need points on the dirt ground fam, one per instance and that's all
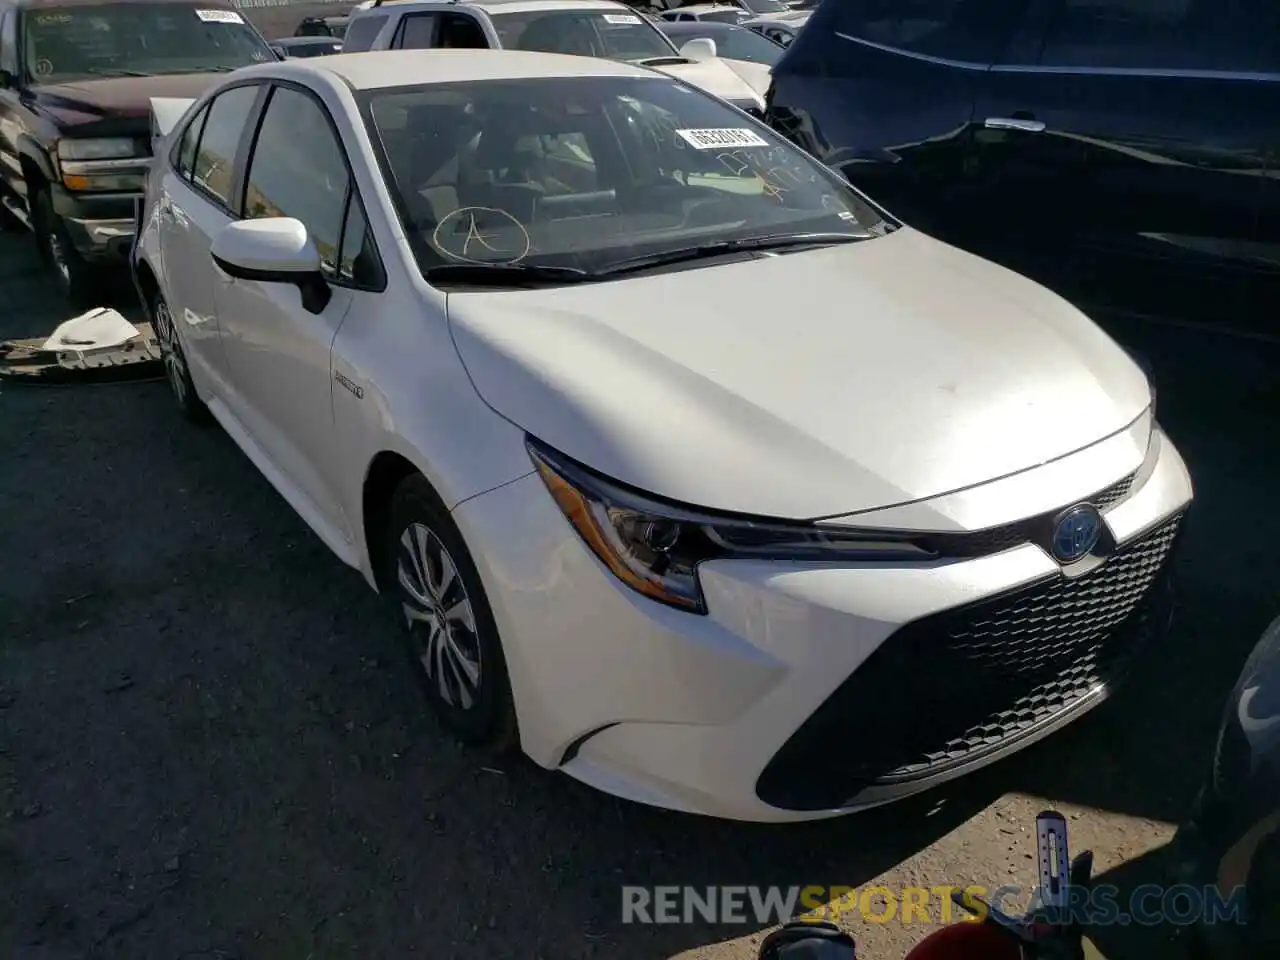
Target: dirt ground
(210, 748)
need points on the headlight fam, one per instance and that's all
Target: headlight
(655, 547)
(115, 148)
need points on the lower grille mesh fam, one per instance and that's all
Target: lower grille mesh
(949, 688)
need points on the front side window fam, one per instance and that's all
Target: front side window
(80, 42)
(298, 170)
(213, 169)
(619, 35)
(8, 41)
(962, 30)
(363, 31)
(584, 174)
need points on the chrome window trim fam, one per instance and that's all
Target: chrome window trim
(1152, 72)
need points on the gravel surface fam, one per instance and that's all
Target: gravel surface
(210, 748)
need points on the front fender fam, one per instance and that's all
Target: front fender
(32, 150)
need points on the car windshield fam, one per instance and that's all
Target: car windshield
(77, 41)
(584, 173)
(612, 34)
(765, 6)
(736, 43)
(725, 15)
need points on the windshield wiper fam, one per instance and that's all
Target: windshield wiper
(705, 250)
(505, 274)
(118, 73)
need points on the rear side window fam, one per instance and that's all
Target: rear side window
(214, 167)
(1224, 35)
(969, 31)
(362, 32)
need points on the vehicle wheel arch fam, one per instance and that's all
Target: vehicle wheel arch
(148, 285)
(386, 471)
(36, 168)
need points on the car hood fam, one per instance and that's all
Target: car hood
(757, 75)
(805, 385)
(713, 76)
(86, 101)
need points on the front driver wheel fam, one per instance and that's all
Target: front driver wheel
(81, 282)
(453, 639)
(175, 363)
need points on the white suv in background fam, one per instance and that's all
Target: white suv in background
(592, 28)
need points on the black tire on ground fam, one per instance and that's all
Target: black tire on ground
(174, 358)
(81, 282)
(452, 639)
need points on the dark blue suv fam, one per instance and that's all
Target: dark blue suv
(1128, 150)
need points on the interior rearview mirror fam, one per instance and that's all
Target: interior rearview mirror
(703, 48)
(273, 250)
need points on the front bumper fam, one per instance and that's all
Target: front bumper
(809, 689)
(101, 226)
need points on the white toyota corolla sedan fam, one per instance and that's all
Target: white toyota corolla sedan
(694, 474)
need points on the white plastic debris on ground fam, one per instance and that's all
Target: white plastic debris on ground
(94, 330)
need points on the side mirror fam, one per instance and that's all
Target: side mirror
(703, 48)
(273, 250)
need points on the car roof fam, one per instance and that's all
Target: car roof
(40, 4)
(705, 8)
(701, 26)
(374, 70)
(509, 6)
(305, 41)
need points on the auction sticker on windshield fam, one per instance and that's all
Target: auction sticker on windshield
(721, 138)
(621, 18)
(219, 16)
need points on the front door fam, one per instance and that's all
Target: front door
(279, 352)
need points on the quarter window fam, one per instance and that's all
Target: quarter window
(970, 31)
(190, 138)
(213, 167)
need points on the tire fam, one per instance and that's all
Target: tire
(176, 372)
(80, 281)
(452, 639)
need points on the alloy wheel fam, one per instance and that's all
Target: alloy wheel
(440, 616)
(175, 364)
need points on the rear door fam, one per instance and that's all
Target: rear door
(1131, 136)
(199, 197)
(883, 90)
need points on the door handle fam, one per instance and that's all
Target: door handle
(1025, 124)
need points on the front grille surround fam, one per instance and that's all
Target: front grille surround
(949, 689)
